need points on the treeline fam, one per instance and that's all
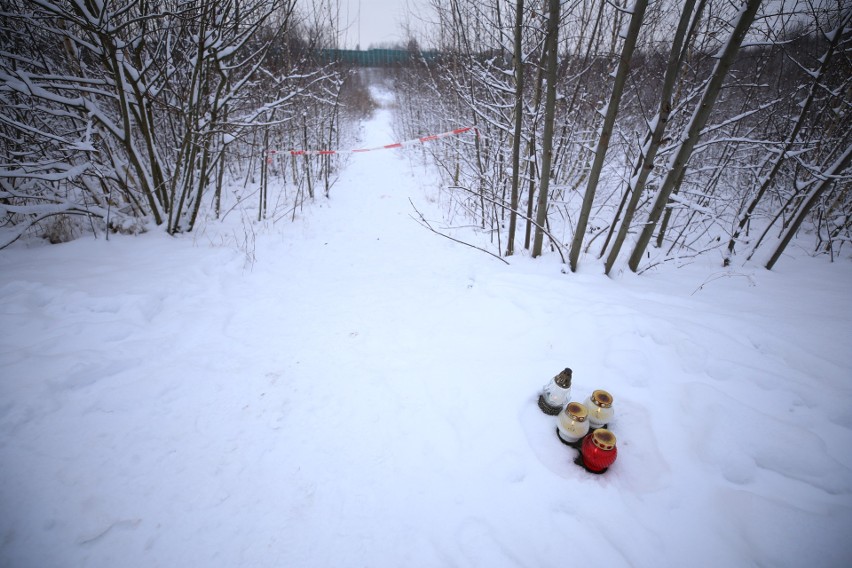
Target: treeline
(636, 132)
(118, 114)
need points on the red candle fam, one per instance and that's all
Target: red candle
(599, 450)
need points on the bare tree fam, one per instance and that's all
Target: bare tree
(637, 14)
(645, 161)
(552, 42)
(817, 76)
(519, 122)
(677, 165)
(825, 180)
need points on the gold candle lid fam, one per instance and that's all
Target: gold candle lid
(604, 439)
(602, 398)
(576, 411)
(563, 379)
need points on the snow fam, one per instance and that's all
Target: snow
(352, 389)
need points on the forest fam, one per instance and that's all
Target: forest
(626, 133)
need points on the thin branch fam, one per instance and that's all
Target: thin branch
(554, 240)
(423, 222)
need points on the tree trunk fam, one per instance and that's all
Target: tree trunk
(638, 14)
(827, 178)
(533, 169)
(552, 39)
(519, 119)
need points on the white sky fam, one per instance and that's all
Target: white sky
(381, 21)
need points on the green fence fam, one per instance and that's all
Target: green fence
(375, 57)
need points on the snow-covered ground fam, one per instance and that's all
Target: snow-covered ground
(363, 394)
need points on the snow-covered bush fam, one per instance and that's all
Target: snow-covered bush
(137, 110)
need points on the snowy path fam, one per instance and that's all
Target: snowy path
(364, 396)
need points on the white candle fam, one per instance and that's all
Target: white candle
(599, 405)
(571, 424)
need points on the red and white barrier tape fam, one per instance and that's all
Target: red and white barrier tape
(421, 140)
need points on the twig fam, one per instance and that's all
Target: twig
(426, 224)
(719, 275)
(501, 204)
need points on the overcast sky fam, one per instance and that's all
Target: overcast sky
(380, 21)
